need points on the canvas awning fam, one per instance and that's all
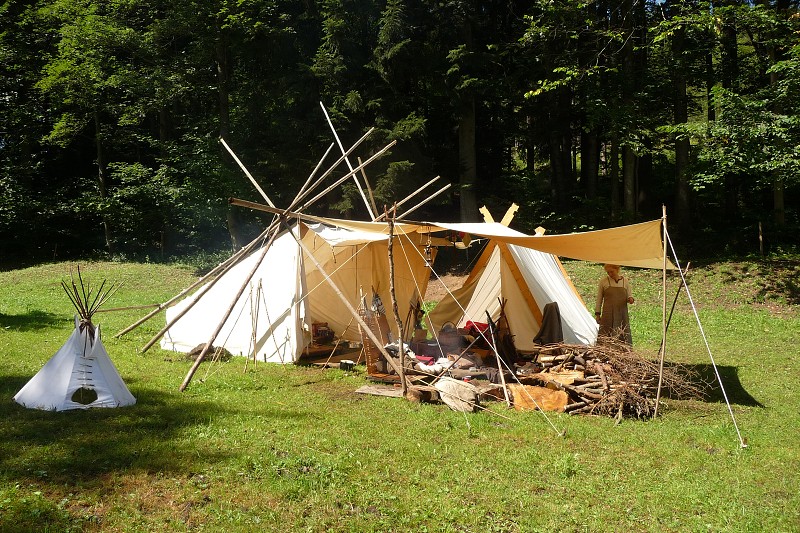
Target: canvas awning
(635, 245)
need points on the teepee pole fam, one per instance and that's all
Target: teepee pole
(247, 172)
(366, 184)
(425, 201)
(333, 167)
(311, 176)
(350, 166)
(407, 198)
(351, 173)
(228, 312)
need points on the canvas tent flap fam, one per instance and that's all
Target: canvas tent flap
(526, 280)
(636, 245)
(271, 302)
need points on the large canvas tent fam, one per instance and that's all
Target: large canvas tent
(273, 319)
(80, 369)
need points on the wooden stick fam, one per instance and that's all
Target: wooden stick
(366, 184)
(228, 312)
(246, 172)
(400, 336)
(407, 198)
(663, 350)
(334, 165)
(499, 362)
(348, 305)
(425, 201)
(353, 173)
(128, 308)
(349, 174)
(310, 176)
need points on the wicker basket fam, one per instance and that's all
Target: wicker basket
(371, 353)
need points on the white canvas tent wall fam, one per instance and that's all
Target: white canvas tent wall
(81, 363)
(526, 280)
(288, 293)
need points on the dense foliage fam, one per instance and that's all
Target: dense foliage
(586, 114)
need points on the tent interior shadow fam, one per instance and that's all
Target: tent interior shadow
(706, 379)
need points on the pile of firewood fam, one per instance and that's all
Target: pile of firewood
(606, 379)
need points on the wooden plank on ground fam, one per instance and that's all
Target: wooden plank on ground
(381, 390)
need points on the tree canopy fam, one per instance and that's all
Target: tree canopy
(587, 114)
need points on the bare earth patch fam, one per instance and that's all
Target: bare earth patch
(438, 287)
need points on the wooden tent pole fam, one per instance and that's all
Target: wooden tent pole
(334, 165)
(351, 173)
(228, 312)
(191, 304)
(218, 270)
(426, 200)
(400, 334)
(310, 176)
(499, 361)
(663, 350)
(246, 172)
(409, 197)
(347, 304)
(367, 185)
(350, 166)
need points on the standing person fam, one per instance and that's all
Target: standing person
(611, 310)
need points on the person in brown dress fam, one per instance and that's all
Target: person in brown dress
(611, 310)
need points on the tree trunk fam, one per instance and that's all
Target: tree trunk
(613, 171)
(681, 116)
(102, 178)
(629, 181)
(590, 161)
(468, 162)
(729, 73)
(223, 94)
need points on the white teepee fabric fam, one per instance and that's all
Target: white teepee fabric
(81, 363)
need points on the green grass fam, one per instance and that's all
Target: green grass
(289, 448)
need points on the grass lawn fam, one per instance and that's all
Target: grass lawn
(292, 448)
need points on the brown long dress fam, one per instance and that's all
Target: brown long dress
(614, 321)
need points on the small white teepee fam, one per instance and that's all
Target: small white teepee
(80, 375)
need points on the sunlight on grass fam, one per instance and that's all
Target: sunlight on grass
(292, 448)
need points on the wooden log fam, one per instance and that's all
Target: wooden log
(573, 406)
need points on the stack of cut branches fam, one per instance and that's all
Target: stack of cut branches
(609, 378)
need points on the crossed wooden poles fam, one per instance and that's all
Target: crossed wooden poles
(277, 226)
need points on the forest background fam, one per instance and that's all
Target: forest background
(587, 114)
